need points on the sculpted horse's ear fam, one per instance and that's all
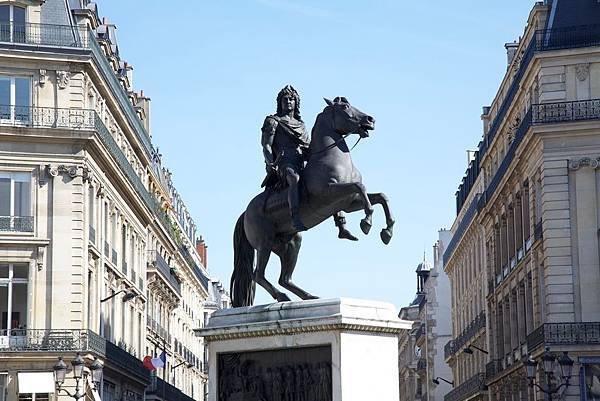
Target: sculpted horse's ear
(329, 102)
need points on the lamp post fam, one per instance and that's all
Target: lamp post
(79, 373)
(549, 362)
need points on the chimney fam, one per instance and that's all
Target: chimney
(144, 103)
(511, 51)
(202, 248)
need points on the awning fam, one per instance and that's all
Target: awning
(36, 382)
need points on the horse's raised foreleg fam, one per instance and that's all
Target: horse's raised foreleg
(339, 190)
(262, 258)
(382, 199)
(288, 253)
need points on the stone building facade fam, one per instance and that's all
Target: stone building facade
(523, 262)
(98, 252)
(424, 375)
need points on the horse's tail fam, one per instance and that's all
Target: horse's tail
(242, 284)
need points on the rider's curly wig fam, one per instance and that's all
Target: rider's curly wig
(289, 91)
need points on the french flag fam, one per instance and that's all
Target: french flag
(155, 363)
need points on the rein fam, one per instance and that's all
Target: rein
(333, 145)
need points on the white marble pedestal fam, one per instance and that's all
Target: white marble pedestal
(363, 336)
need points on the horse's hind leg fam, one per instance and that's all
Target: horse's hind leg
(262, 258)
(382, 199)
(288, 253)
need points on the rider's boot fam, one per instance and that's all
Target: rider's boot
(294, 202)
(340, 223)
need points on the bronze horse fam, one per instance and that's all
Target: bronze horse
(330, 184)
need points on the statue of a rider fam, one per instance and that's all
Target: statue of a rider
(285, 143)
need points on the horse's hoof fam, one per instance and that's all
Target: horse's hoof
(281, 297)
(345, 234)
(386, 236)
(365, 226)
(310, 296)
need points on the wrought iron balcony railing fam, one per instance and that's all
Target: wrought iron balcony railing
(166, 391)
(44, 34)
(467, 389)
(17, 224)
(567, 38)
(162, 267)
(60, 341)
(195, 268)
(566, 111)
(564, 333)
(493, 368)
(47, 117)
(453, 346)
(158, 329)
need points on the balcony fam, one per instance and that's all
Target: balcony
(454, 346)
(564, 334)
(468, 389)
(159, 264)
(158, 329)
(543, 40)
(163, 390)
(60, 341)
(43, 35)
(195, 268)
(16, 224)
(492, 369)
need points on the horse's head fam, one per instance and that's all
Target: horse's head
(348, 119)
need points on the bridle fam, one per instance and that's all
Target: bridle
(334, 144)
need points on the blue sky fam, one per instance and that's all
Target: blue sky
(423, 69)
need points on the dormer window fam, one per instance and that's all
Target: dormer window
(12, 23)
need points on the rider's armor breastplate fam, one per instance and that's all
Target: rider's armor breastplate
(286, 148)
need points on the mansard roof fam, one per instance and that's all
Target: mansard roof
(568, 13)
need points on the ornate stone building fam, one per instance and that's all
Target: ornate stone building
(424, 375)
(523, 261)
(98, 253)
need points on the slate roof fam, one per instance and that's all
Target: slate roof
(567, 13)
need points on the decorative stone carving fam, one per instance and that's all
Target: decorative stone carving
(101, 192)
(62, 79)
(54, 170)
(40, 257)
(582, 71)
(43, 76)
(584, 162)
(87, 174)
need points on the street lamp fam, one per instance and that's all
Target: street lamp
(78, 364)
(129, 295)
(436, 381)
(549, 362)
(468, 350)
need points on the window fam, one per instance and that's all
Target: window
(3, 386)
(15, 99)
(34, 397)
(15, 202)
(13, 298)
(12, 24)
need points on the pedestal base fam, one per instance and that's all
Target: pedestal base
(320, 350)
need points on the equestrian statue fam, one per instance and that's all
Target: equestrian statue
(308, 181)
